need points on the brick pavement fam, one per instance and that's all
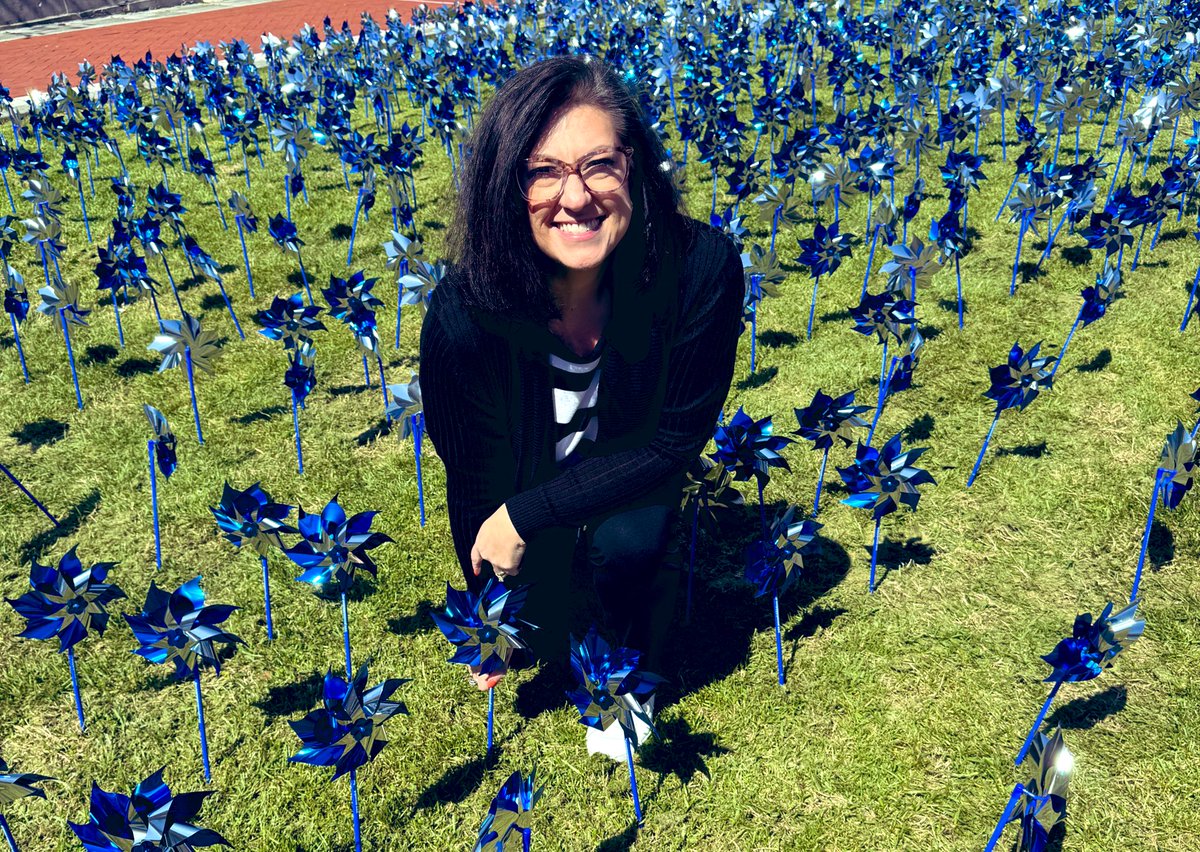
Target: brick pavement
(28, 62)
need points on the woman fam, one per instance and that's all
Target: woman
(575, 359)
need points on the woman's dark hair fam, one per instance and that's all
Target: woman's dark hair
(500, 269)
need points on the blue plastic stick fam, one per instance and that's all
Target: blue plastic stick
(870, 261)
(637, 803)
(229, 307)
(526, 838)
(346, 636)
(883, 395)
(267, 600)
(983, 449)
(418, 430)
(762, 509)
(687, 612)
(1017, 792)
(383, 387)
(354, 810)
(958, 283)
(366, 372)
(117, 317)
(354, 228)
(187, 357)
(203, 730)
(874, 558)
(304, 276)
(1037, 723)
(491, 718)
(1187, 314)
(27, 493)
(75, 688)
(812, 307)
(1066, 343)
(820, 482)
(883, 365)
(245, 257)
(154, 505)
(1012, 288)
(1137, 577)
(753, 336)
(25, 370)
(87, 228)
(62, 316)
(296, 432)
(12, 843)
(778, 643)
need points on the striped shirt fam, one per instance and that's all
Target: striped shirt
(575, 385)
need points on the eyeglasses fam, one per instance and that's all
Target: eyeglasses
(602, 171)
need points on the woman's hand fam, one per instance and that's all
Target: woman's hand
(499, 544)
(485, 682)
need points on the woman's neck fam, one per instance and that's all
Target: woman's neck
(577, 293)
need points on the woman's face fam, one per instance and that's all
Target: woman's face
(580, 229)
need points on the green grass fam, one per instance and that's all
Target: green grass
(903, 709)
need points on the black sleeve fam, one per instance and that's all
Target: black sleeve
(462, 387)
(699, 372)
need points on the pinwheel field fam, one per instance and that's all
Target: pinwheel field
(904, 705)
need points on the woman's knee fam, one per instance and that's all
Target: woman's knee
(631, 541)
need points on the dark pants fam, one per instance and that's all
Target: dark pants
(633, 564)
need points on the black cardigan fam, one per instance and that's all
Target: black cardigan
(489, 412)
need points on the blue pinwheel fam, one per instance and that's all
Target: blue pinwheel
(408, 409)
(949, 234)
(61, 301)
(16, 296)
(208, 266)
(1040, 803)
(283, 232)
(823, 254)
(882, 480)
(161, 451)
(749, 447)
(888, 315)
(15, 786)
(151, 820)
(510, 815)
(347, 732)
(244, 218)
(67, 602)
(186, 342)
(331, 550)
(612, 690)
(353, 301)
(179, 628)
(775, 560)
(1087, 652)
(300, 377)
(1015, 384)
(290, 321)
(822, 421)
(251, 518)
(1176, 474)
(1096, 301)
(483, 628)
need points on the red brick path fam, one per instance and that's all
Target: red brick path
(27, 63)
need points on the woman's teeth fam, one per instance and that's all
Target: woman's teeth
(579, 227)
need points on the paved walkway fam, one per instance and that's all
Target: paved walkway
(28, 57)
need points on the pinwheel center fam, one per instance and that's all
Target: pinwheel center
(488, 634)
(339, 555)
(76, 606)
(602, 699)
(362, 729)
(177, 638)
(889, 483)
(248, 529)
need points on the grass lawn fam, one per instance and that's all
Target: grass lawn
(903, 709)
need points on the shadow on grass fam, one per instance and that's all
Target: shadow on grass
(340, 232)
(1077, 255)
(41, 433)
(777, 339)
(1161, 547)
(758, 378)
(951, 305)
(623, 841)
(681, 751)
(379, 430)
(260, 415)
(136, 367)
(1029, 451)
(1101, 360)
(1084, 713)
(293, 698)
(364, 587)
(101, 353)
(456, 783)
(726, 615)
(212, 301)
(835, 316)
(919, 430)
(346, 390)
(894, 555)
(413, 622)
(68, 525)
